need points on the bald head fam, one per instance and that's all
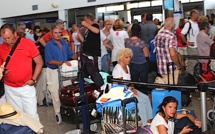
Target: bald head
(169, 24)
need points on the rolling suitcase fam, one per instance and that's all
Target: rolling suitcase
(138, 129)
(121, 120)
(159, 95)
(69, 93)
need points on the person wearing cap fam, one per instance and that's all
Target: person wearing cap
(20, 78)
(65, 34)
(10, 118)
(57, 52)
(21, 30)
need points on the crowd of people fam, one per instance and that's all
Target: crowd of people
(134, 50)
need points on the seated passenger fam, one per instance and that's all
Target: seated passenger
(163, 122)
(121, 71)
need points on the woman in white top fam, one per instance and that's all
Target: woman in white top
(117, 39)
(77, 37)
(163, 122)
(105, 32)
(121, 71)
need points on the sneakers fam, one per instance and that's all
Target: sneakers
(58, 118)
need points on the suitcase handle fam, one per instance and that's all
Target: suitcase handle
(124, 102)
(128, 100)
(168, 73)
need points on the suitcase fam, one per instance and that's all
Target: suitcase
(69, 114)
(117, 120)
(138, 130)
(70, 92)
(159, 95)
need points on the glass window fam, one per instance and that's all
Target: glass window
(132, 5)
(185, 1)
(101, 9)
(138, 17)
(144, 4)
(115, 8)
(157, 3)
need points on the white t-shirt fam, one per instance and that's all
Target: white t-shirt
(191, 36)
(76, 42)
(103, 48)
(159, 120)
(118, 41)
(118, 72)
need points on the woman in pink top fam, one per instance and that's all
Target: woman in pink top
(182, 49)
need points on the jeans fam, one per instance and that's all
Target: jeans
(104, 63)
(144, 108)
(139, 73)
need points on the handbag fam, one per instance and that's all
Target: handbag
(2, 90)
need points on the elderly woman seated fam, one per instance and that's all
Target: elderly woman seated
(121, 71)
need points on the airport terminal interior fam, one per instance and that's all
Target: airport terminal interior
(54, 12)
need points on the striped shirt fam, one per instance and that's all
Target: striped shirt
(163, 41)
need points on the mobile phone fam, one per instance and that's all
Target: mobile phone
(193, 127)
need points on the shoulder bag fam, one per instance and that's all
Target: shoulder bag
(6, 62)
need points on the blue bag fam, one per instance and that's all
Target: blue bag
(116, 102)
(12, 129)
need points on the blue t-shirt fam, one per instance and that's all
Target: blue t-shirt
(53, 52)
(137, 47)
(152, 52)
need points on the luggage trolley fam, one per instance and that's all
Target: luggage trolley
(69, 93)
(67, 79)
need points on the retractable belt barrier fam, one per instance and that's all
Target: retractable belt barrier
(202, 87)
(193, 57)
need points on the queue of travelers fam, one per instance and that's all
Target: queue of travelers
(132, 55)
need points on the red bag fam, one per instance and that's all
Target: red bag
(209, 76)
(68, 94)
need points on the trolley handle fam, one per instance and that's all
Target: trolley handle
(128, 100)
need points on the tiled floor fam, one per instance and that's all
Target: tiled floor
(47, 117)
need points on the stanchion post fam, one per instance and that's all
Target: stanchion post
(86, 125)
(109, 78)
(203, 87)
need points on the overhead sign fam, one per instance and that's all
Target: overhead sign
(169, 4)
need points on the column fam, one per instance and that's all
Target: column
(1, 22)
(63, 14)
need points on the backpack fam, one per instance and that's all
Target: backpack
(188, 29)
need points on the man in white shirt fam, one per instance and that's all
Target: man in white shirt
(189, 35)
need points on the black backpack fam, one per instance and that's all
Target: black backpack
(188, 29)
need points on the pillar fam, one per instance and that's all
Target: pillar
(168, 8)
(63, 14)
